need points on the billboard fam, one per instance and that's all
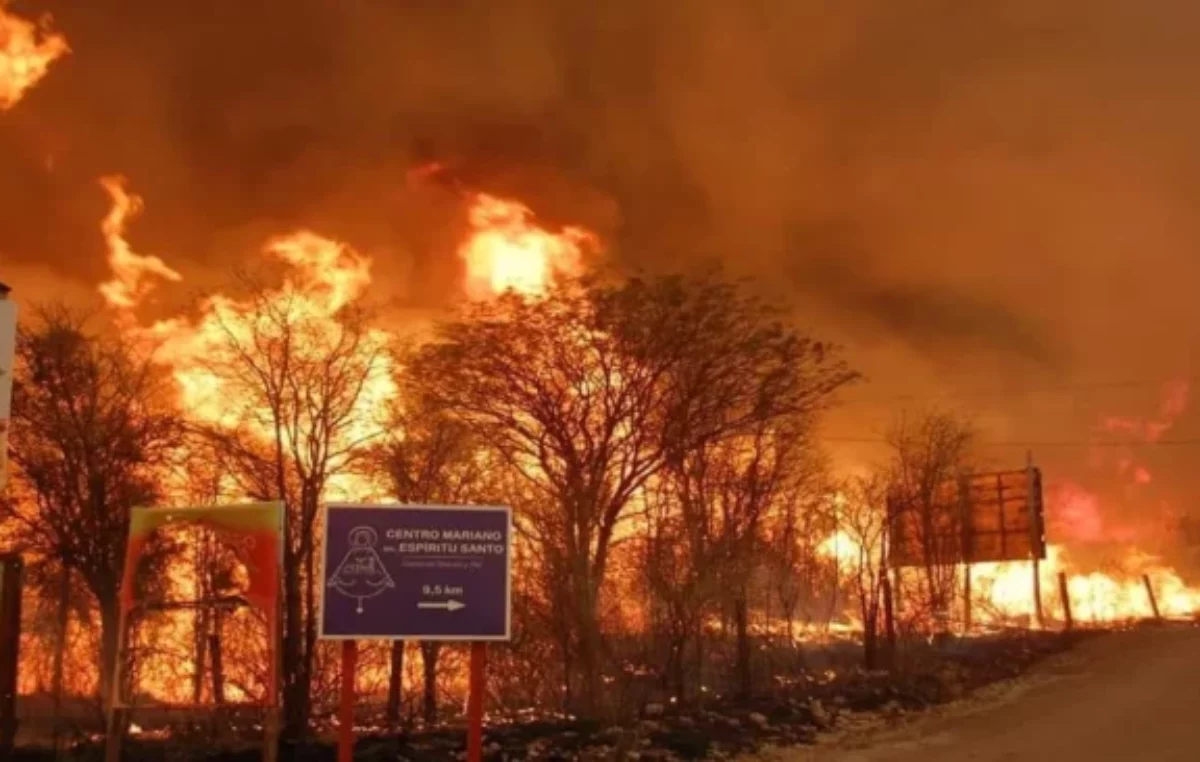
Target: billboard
(8, 341)
(424, 572)
(253, 531)
(975, 519)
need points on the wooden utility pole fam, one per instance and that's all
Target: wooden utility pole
(967, 538)
(1064, 592)
(1150, 595)
(1035, 537)
(967, 598)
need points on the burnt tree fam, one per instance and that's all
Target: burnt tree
(93, 433)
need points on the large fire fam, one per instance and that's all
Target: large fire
(507, 250)
(26, 52)
(319, 279)
(1003, 593)
(1130, 584)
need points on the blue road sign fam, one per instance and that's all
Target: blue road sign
(424, 572)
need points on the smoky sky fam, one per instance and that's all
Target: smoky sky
(964, 194)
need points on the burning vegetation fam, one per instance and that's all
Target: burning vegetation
(27, 50)
(681, 532)
(654, 434)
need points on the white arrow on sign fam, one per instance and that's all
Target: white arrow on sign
(447, 605)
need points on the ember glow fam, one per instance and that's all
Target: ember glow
(507, 250)
(26, 52)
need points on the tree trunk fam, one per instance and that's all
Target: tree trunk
(62, 622)
(676, 669)
(395, 685)
(568, 665)
(295, 687)
(589, 669)
(870, 642)
(310, 620)
(583, 616)
(889, 618)
(200, 638)
(218, 661)
(429, 659)
(741, 617)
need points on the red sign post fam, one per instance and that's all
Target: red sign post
(477, 686)
(416, 572)
(346, 710)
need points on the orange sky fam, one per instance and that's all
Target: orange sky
(975, 201)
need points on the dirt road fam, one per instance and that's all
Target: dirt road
(1127, 696)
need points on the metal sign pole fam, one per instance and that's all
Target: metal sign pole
(476, 688)
(346, 710)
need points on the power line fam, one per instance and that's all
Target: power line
(1015, 392)
(1035, 445)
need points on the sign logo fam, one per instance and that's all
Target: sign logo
(361, 573)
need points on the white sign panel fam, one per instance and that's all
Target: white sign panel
(8, 340)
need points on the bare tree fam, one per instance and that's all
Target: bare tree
(861, 520)
(587, 392)
(294, 383)
(796, 527)
(93, 431)
(706, 536)
(929, 454)
(431, 458)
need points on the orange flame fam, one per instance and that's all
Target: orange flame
(127, 288)
(506, 250)
(1003, 592)
(1117, 595)
(321, 278)
(324, 277)
(26, 52)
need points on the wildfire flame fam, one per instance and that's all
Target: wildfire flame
(127, 287)
(323, 277)
(1004, 592)
(507, 250)
(1120, 595)
(26, 52)
(320, 279)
